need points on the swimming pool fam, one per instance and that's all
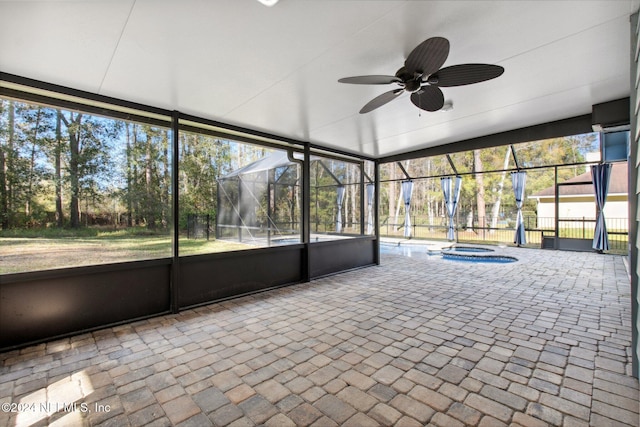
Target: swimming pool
(452, 253)
(411, 250)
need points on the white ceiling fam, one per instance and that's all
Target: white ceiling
(275, 69)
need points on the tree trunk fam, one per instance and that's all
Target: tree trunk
(396, 216)
(135, 213)
(429, 188)
(74, 206)
(129, 196)
(319, 172)
(347, 203)
(11, 164)
(292, 207)
(470, 220)
(392, 194)
(480, 202)
(496, 206)
(4, 202)
(148, 179)
(4, 172)
(32, 166)
(166, 203)
(73, 128)
(355, 212)
(58, 170)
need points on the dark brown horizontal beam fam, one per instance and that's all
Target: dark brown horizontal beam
(572, 126)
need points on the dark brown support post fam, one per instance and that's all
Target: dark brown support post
(306, 213)
(376, 212)
(175, 264)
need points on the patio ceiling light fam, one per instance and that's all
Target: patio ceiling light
(268, 2)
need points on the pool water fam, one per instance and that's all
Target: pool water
(499, 259)
(455, 253)
(406, 250)
(470, 249)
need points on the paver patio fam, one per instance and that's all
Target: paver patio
(415, 341)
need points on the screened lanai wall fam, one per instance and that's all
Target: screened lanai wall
(488, 208)
(259, 203)
(94, 230)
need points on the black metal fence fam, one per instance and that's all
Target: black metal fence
(504, 231)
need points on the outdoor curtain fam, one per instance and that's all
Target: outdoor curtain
(519, 180)
(451, 201)
(370, 193)
(601, 175)
(340, 198)
(407, 189)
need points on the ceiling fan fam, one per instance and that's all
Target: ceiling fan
(422, 76)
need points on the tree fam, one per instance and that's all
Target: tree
(480, 201)
(146, 176)
(495, 211)
(89, 166)
(57, 162)
(128, 193)
(150, 193)
(203, 160)
(6, 149)
(392, 190)
(24, 138)
(353, 175)
(73, 128)
(36, 129)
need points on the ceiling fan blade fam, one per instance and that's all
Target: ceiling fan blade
(465, 74)
(428, 98)
(380, 100)
(370, 80)
(428, 56)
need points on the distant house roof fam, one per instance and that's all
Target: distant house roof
(617, 185)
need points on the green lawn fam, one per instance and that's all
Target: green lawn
(44, 249)
(21, 254)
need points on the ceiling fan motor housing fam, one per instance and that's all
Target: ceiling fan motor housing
(412, 85)
(410, 82)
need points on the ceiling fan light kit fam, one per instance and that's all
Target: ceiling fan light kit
(448, 106)
(422, 77)
(268, 3)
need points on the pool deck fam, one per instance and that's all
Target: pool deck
(429, 246)
(416, 341)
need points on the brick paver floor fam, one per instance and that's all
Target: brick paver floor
(415, 341)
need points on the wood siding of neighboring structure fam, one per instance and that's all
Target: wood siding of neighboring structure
(578, 201)
(634, 192)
